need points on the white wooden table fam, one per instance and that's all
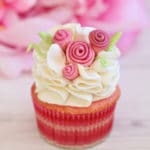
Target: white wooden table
(132, 122)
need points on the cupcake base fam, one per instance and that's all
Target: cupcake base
(74, 127)
(75, 147)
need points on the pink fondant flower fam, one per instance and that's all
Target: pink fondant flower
(80, 52)
(70, 72)
(62, 37)
(99, 40)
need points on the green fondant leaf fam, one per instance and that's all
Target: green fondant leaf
(41, 48)
(37, 49)
(30, 46)
(103, 61)
(114, 39)
(46, 37)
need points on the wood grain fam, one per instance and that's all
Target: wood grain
(132, 121)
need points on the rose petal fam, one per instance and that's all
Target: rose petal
(9, 1)
(23, 5)
(10, 18)
(22, 33)
(65, 14)
(93, 7)
(2, 13)
(50, 3)
(4, 50)
(124, 11)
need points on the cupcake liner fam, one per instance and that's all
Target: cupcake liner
(74, 135)
(68, 128)
(73, 119)
(73, 126)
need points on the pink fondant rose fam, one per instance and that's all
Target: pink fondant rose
(70, 72)
(99, 40)
(62, 37)
(80, 52)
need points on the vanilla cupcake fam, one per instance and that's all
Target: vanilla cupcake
(76, 74)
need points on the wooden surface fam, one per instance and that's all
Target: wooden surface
(132, 121)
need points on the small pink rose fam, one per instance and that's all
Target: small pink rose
(80, 52)
(70, 72)
(62, 37)
(99, 40)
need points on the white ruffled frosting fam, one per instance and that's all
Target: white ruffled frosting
(94, 83)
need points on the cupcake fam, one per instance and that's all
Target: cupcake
(75, 88)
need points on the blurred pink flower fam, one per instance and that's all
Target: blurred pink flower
(121, 15)
(10, 9)
(14, 59)
(21, 20)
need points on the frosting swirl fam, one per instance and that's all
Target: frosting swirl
(70, 71)
(99, 40)
(80, 52)
(62, 37)
(76, 77)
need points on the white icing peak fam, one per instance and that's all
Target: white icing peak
(95, 82)
(56, 59)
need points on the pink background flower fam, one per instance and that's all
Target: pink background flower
(21, 20)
